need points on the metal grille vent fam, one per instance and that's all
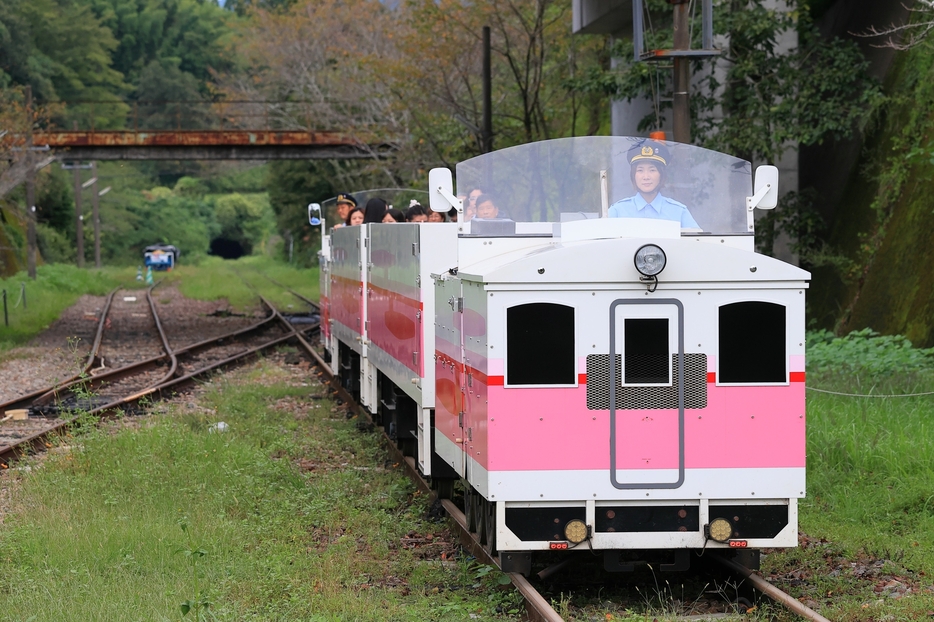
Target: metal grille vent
(637, 398)
(646, 368)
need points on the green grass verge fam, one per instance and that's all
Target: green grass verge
(291, 514)
(56, 288)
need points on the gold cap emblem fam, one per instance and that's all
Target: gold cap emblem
(647, 151)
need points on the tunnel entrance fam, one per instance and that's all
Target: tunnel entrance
(227, 249)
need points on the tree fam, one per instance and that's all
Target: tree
(193, 32)
(533, 53)
(170, 98)
(62, 51)
(910, 34)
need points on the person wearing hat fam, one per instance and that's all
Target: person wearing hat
(648, 164)
(345, 203)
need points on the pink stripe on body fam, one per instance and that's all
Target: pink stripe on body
(742, 427)
(347, 302)
(394, 326)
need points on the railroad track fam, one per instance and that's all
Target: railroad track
(470, 528)
(103, 393)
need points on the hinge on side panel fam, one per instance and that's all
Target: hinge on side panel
(366, 242)
(469, 434)
(415, 248)
(469, 380)
(415, 358)
(460, 419)
(366, 326)
(418, 315)
(418, 280)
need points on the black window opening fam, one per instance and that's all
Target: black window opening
(646, 351)
(752, 343)
(540, 344)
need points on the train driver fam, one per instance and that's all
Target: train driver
(345, 203)
(648, 164)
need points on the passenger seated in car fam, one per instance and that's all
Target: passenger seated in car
(648, 165)
(375, 210)
(416, 213)
(355, 217)
(486, 207)
(470, 204)
(393, 215)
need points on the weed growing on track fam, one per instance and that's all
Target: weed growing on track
(300, 514)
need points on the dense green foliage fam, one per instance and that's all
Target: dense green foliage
(865, 352)
(61, 49)
(881, 277)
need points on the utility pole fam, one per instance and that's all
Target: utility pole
(681, 55)
(681, 111)
(30, 192)
(79, 215)
(97, 219)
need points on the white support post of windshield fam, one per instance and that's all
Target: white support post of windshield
(604, 195)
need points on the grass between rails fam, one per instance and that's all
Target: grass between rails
(55, 289)
(216, 278)
(291, 514)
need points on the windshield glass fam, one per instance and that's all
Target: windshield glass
(538, 182)
(398, 198)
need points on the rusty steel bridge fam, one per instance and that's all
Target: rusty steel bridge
(198, 130)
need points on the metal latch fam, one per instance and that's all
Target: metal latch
(457, 304)
(460, 419)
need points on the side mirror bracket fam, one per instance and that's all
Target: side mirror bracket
(441, 191)
(765, 195)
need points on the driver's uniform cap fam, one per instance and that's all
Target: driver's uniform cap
(346, 198)
(648, 151)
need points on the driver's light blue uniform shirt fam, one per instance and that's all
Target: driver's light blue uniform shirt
(661, 208)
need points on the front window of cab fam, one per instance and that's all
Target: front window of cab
(609, 176)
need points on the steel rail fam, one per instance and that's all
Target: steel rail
(537, 608)
(790, 602)
(165, 341)
(19, 402)
(95, 382)
(311, 303)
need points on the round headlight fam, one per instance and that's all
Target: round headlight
(720, 530)
(575, 531)
(650, 260)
